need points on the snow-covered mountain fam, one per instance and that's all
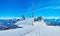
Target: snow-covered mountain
(38, 29)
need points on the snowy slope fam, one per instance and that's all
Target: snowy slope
(44, 30)
(49, 30)
(19, 31)
(38, 29)
(27, 21)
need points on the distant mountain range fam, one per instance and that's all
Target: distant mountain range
(54, 22)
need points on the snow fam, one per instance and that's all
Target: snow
(16, 32)
(25, 22)
(19, 31)
(44, 30)
(38, 29)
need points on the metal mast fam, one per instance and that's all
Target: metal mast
(33, 12)
(32, 9)
(23, 18)
(22, 14)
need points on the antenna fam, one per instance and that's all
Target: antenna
(33, 12)
(32, 9)
(22, 13)
(23, 18)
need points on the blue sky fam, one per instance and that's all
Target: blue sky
(13, 8)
